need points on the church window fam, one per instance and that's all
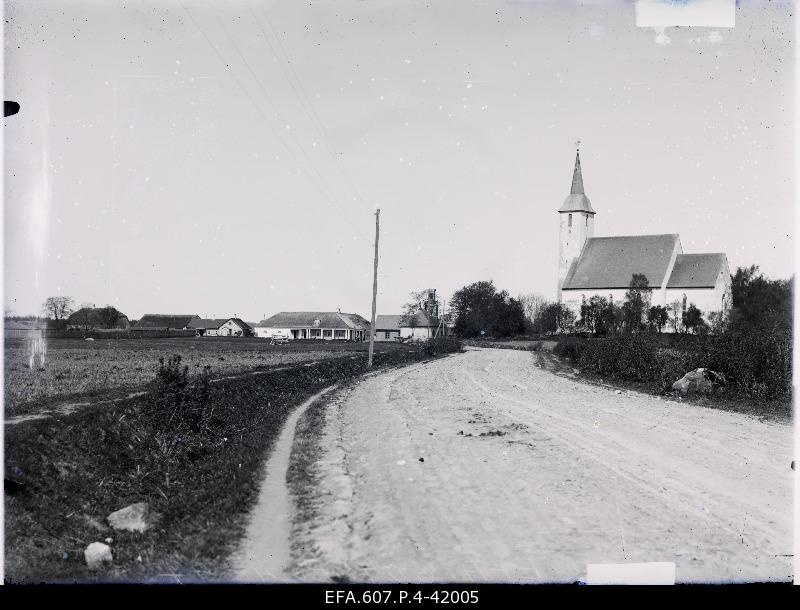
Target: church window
(586, 223)
(569, 220)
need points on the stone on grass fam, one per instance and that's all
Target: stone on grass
(134, 518)
(699, 381)
(96, 554)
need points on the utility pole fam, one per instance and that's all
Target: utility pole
(374, 289)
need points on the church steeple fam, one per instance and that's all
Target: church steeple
(577, 177)
(576, 222)
(577, 201)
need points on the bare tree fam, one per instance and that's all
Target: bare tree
(533, 304)
(58, 308)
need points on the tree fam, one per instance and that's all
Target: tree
(480, 307)
(533, 304)
(657, 317)
(693, 320)
(592, 314)
(557, 318)
(58, 308)
(415, 304)
(675, 312)
(637, 303)
(761, 301)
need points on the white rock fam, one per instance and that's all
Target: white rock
(134, 518)
(96, 554)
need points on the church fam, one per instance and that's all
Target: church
(603, 266)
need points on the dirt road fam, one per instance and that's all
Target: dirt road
(484, 467)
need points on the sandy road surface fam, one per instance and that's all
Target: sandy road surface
(528, 476)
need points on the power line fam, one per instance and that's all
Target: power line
(311, 165)
(304, 98)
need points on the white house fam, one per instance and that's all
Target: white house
(418, 328)
(603, 266)
(207, 327)
(314, 325)
(234, 327)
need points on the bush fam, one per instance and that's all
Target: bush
(570, 347)
(757, 360)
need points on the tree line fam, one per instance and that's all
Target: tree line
(480, 310)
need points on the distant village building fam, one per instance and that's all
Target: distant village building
(207, 327)
(387, 327)
(313, 325)
(603, 266)
(94, 318)
(417, 327)
(234, 327)
(152, 321)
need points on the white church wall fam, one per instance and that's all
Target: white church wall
(572, 235)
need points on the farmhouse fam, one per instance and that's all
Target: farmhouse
(92, 318)
(603, 266)
(207, 327)
(418, 327)
(152, 321)
(234, 327)
(313, 325)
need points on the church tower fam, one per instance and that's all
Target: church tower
(576, 223)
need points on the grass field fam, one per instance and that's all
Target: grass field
(74, 367)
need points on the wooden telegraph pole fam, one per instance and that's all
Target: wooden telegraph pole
(374, 289)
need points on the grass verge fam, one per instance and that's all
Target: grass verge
(76, 469)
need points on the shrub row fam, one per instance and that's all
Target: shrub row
(756, 361)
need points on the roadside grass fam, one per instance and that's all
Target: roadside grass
(76, 469)
(107, 369)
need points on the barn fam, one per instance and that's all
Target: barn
(92, 318)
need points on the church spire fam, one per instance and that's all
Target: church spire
(577, 201)
(577, 176)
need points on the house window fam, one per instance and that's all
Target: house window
(327, 333)
(387, 335)
(339, 334)
(569, 220)
(313, 333)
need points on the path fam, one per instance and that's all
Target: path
(485, 467)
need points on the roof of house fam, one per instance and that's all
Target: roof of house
(388, 322)
(421, 320)
(314, 319)
(577, 201)
(207, 323)
(610, 262)
(95, 316)
(154, 320)
(242, 324)
(697, 270)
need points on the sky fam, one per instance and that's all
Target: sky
(227, 159)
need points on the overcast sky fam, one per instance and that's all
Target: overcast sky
(226, 158)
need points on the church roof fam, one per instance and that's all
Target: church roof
(610, 262)
(577, 201)
(697, 270)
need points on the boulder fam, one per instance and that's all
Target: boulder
(96, 554)
(134, 518)
(700, 381)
